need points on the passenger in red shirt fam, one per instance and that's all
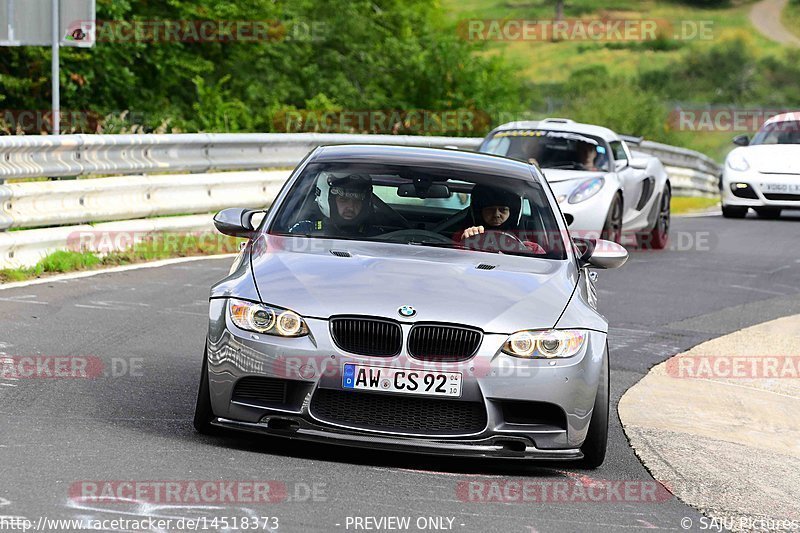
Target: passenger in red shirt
(495, 209)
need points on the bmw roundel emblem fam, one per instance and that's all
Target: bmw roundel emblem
(407, 311)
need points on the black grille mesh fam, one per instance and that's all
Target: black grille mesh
(778, 197)
(443, 343)
(268, 390)
(365, 336)
(398, 414)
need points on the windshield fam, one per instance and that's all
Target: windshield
(419, 206)
(551, 149)
(786, 132)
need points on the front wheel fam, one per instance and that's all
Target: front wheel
(733, 211)
(203, 413)
(594, 447)
(658, 237)
(612, 229)
(770, 213)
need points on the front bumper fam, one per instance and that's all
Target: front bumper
(298, 427)
(588, 217)
(313, 363)
(757, 193)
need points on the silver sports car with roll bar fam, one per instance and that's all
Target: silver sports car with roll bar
(411, 299)
(603, 186)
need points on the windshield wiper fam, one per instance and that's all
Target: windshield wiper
(434, 244)
(566, 165)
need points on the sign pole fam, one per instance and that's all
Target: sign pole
(55, 71)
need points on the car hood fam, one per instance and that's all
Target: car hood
(554, 175)
(773, 158)
(443, 285)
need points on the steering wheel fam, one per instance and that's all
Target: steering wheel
(495, 240)
(405, 235)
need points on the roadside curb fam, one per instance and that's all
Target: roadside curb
(718, 425)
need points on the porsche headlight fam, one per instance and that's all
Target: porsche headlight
(737, 161)
(586, 190)
(266, 319)
(548, 344)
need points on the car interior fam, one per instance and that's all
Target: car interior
(425, 208)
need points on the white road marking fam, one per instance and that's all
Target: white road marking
(699, 215)
(87, 274)
(23, 300)
(111, 305)
(765, 291)
(3, 502)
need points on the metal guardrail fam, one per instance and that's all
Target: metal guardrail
(83, 155)
(55, 203)
(128, 199)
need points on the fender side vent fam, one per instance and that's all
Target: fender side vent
(484, 266)
(648, 186)
(341, 253)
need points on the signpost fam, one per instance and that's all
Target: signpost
(48, 23)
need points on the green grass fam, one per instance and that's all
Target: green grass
(554, 61)
(159, 246)
(545, 62)
(791, 17)
(690, 204)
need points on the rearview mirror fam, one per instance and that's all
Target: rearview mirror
(620, 165)
(639, 163)
(598, 253)
(414, 190)
(236, 221)
(741, 140)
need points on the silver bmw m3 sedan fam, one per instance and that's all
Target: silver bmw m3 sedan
(411, 298)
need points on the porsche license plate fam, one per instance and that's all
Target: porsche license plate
(401, 380)
(785, 188)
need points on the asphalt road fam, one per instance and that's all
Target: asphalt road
(148, 325)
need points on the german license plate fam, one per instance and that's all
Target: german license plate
(786, 188)
(401, 380)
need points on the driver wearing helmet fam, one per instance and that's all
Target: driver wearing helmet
(345, 203)
(495, 209)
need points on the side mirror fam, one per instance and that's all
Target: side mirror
(620, 165)
(741, 140)
(639, 163)
(597, 253)
(236, 221)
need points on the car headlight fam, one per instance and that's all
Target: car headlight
(586, 190)
(737, 161)
(548, 344)
(266, 319)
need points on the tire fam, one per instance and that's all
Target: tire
(203, 413)
(658, 237)
(596, 443)
(769, 213)
(732, 211)
(612, 229)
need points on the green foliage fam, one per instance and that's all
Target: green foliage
(593, 96)
(334, 54)
(67, 261)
